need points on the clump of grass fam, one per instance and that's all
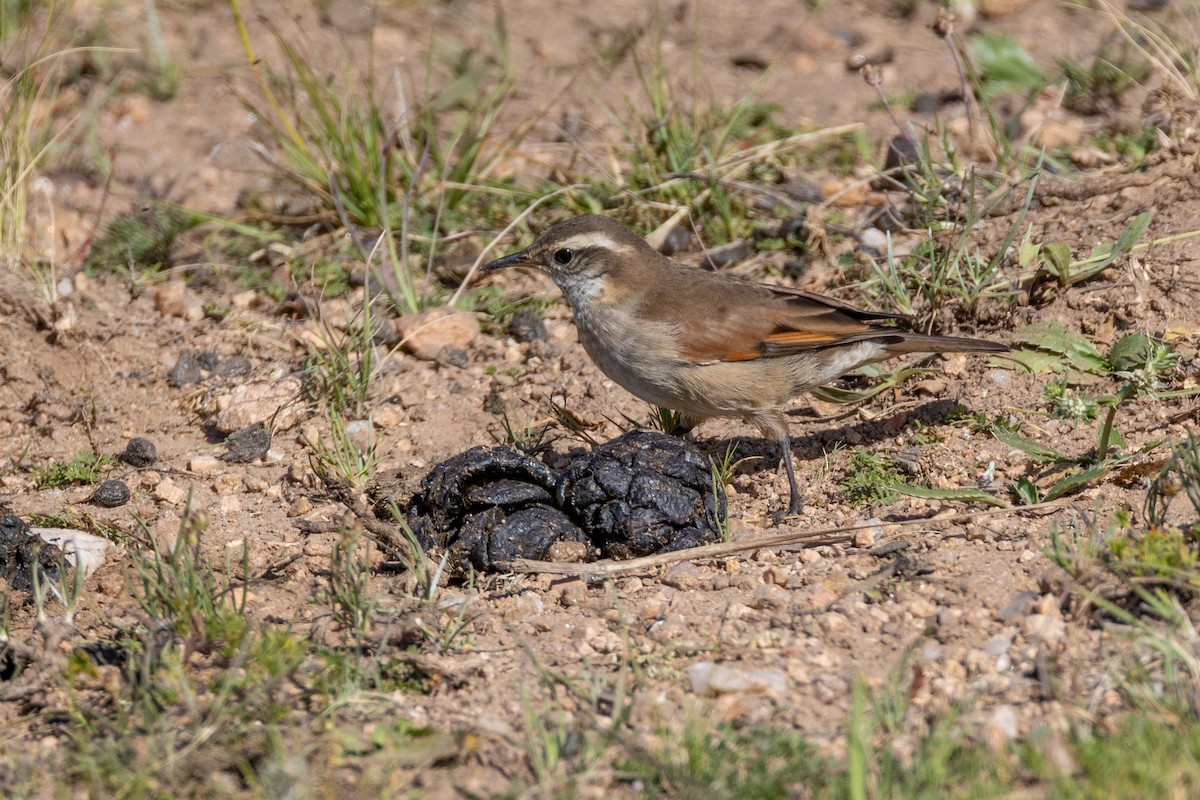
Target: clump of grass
(1169, 48)
(81, 468)
(413, 171)
(27, 93)
(177, 588)
(347, 593)
(340, 458)
(189, 679)
(1113, 70)
(1163, 553)
(141, 240)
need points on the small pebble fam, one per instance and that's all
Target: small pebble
(111, 493)
(249, 444)
(204, 465)
(233, 366)
(208, 361)
(526, 326)
(140, 452)
(186, 370)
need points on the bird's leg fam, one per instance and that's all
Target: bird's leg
(684, 425)
(774, 425)
(785, 447)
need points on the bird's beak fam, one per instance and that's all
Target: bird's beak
(514, 260)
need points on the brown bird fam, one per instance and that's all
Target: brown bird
(707, 344)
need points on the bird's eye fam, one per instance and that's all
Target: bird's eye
(564, 256)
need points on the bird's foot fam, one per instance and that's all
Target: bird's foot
(791, 514)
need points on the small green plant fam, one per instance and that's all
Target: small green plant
(427, 572)
(28, 90)
(1181, 474)
(340, 370)
(177, 589)
(412, 177)
(667, 420)
(1114, 69)
(1068, 404)
(141, 241)
(1167, 554)
(758, 762)
(1143, 364)
(1168, 47)
(1004, 66)
(82, 468)
(81, 521)
(66, 591)
(870, 478)
(162, 75)
(341, 458)
(348, 591)
(499, 309)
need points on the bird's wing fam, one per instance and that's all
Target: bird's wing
(743, 321)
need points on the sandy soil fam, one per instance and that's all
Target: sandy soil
(974, 604)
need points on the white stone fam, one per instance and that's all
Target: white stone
(712, 679)
(91, 550)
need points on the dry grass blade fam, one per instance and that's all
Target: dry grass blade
(811, 538)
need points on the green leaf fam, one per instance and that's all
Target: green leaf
(1115, 439)
(1027, 252)
(1029, 447)
(1027, 492)
(1077, 480)
(832, 394)
(1130, 352)
(1005, 65)
(1058, 261)
(1104, 255)
(1054, 337)
(961, 495)
(1034, 361)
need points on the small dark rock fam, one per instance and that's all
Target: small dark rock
(111, 493)
(750, 61)
(20, 549)
(926, 103)
(902, 153)
(453, 356)
(233, 366)
(526, 326)
(727, 255)
(493, 401)
(208, 361)
(249, 444)
(186, 370)
(678, 240)
(801, 190)
(140, 452)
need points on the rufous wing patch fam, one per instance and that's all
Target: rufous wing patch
(744, 355)
(800, 338)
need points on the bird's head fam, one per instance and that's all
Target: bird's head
(582, 253)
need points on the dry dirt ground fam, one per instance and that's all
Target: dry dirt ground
(975, 607)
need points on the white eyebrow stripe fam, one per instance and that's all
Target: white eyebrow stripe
(583, 240)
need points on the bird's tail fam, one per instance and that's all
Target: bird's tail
(920, 343)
